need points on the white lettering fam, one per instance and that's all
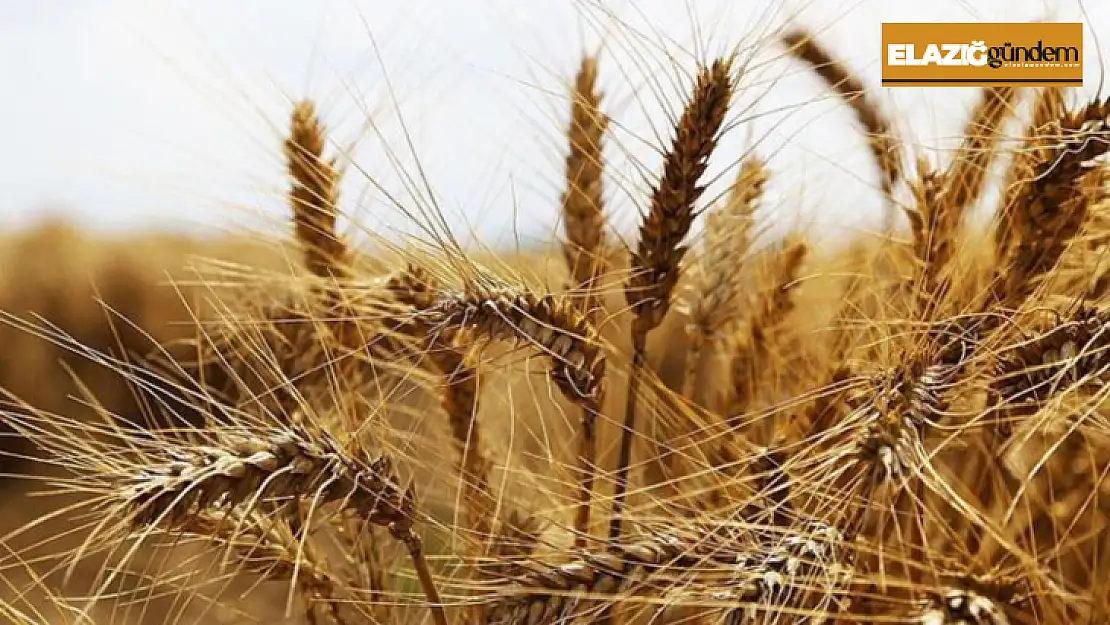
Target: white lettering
(910, 59)
(951, 56)
(896, 54)
(932, 55)
(947, 54)
(977, 53)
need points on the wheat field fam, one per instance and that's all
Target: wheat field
(694, 425)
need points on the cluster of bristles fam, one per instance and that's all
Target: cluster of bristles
(879, 475)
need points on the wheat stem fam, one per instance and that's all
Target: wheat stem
(655, 264)
(624, 459)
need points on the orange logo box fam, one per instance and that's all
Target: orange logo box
(964, 55)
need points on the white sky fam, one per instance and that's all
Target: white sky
(133, 113)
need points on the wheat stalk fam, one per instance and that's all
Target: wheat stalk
(655, 262)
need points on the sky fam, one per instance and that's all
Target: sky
(126, 114)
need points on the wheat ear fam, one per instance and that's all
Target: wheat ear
(965, 178)
(279, 466)
(756, 572)
(584, 223)
(942, 200)
(556, 328)
(772, 306)
(899, 409)
(1073, 351)
(1048, 107)
(314, 194)
(881, 138)
(715, 294)
(958, 605)
(655, 262)
(1049, 204)
(583, 205)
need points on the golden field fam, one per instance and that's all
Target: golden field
(908, 428)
